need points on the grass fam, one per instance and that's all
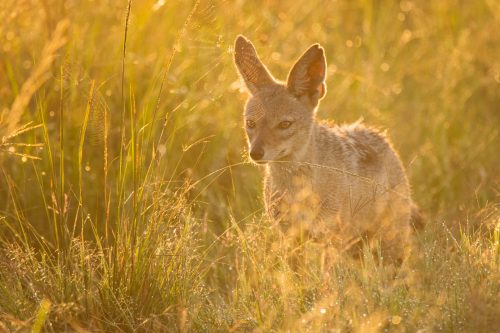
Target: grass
(127, 203)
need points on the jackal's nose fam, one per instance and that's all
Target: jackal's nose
(256, 154)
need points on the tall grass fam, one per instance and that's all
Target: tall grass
(127, 202)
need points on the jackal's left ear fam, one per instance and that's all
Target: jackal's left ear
(307, 77)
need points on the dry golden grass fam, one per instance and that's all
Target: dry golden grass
(127, 203)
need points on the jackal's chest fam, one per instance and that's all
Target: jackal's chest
(293, 195)
(309, 195)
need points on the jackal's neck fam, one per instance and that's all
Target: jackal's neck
(305, 155)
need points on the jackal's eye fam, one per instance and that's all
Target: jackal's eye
(284, 124)
(250, 123)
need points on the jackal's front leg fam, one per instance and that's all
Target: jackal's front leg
(271, 200)
(277, 206)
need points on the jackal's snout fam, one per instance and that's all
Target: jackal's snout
(257, 154)
(257, 151)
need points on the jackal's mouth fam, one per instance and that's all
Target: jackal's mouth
(280, 157)
(260, 162)
(284, 155)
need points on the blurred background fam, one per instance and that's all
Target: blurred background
(109, 106)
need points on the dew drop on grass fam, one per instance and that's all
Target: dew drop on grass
(396, 320)
(497, 76)
(332, 69)
(276, 56)
(385, 67)
(158, 4)
(219, 42)
(26, 64)
(406, 6)
(406, 36)
(397, 88)
(162, 149)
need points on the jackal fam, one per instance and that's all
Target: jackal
(346, 182)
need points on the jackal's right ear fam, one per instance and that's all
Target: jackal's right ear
(252, 70)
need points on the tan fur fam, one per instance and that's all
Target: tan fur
(345, 183)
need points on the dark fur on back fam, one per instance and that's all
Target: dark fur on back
(367, 142)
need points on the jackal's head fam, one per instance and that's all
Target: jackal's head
(279, 116)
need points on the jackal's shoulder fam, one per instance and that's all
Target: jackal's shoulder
(368, 143)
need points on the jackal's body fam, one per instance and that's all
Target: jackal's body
(350, 183)
(345, 181)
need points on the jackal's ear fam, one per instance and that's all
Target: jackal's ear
(252, 70)
(307, 77)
